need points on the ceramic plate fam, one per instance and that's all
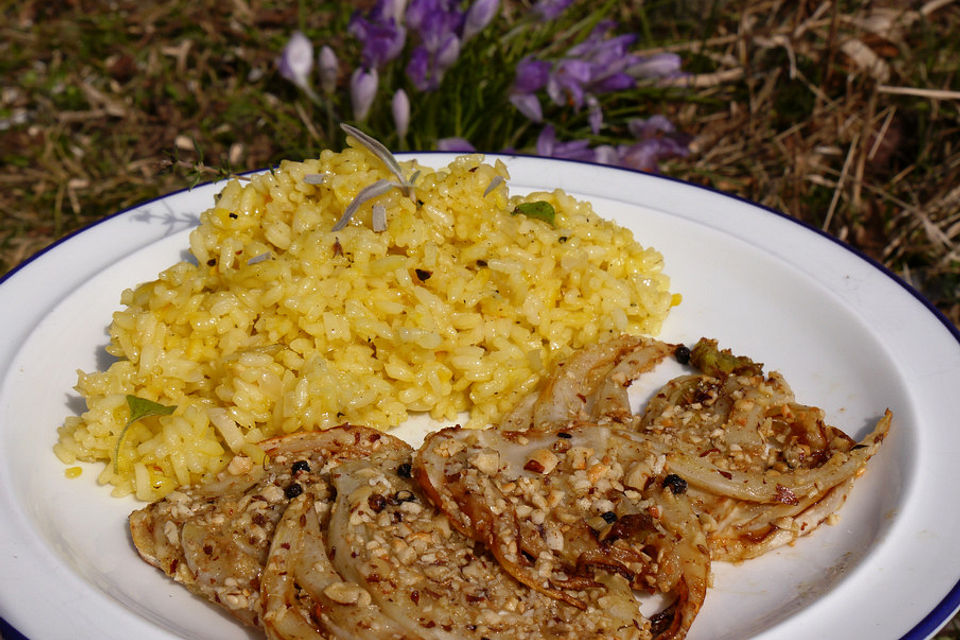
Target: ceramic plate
(846, 334)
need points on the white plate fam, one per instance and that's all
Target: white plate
(847, 335)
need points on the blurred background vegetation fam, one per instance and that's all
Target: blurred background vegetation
(842, 114)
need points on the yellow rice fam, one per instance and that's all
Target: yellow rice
(282, 324)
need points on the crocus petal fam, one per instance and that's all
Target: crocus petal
(661, 65)
(606, 154)
(546, 141)
(551, 9)
(528, 104)
(448, 53)
(363, 89)
(296, 62)
(601, 50)
(575, 150)
(418, 69)
(389, 10)
(641, 156)
(459, 145)
(647, 128)
(382, 40)
(646, 154)
(394, 43)
(613, 82)
(547, 145)
(566, 81)
(418, 10)
(479, 15)
(594, 114)
(531, 75)
(329, 69)
(400, 106)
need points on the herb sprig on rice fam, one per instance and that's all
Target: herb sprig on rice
(452, 304)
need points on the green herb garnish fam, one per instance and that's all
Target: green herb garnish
(139, 408)
(541, 210)
(713, 361)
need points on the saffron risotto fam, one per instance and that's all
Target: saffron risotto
(281, 324)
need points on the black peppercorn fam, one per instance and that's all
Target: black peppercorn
(682, 354)
(405, 470)
(301, 465)
(293, 491)
(675, 483)
(609, 517)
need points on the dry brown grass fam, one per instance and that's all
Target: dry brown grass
(844, 119)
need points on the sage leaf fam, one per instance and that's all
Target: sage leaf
(541, 210)
(140, 408)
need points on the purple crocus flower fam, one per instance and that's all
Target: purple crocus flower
(528, 104)
(657, 139)
(548, 146)
(643, 128)
(594, 114)
(447, 53)
(382, 40)
(296, 61)
(567, 80)
(479, 15)
(607, 154)
(363, 89)
(434, 20)
(418, 10)
(598, 48)
(531, 75)
(608, 58)
(617, 81)
(329, 69)
(418, 69)
(644, 155)
(426, 68)
(660, 65)
(437, 23)
(389, 9)
(400, 108)
(458, 145)
(551, 9)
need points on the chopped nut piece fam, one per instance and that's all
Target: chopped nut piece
(487, 462)
(347, 593)
(239, 465)
(578, 457)
(542, 461)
